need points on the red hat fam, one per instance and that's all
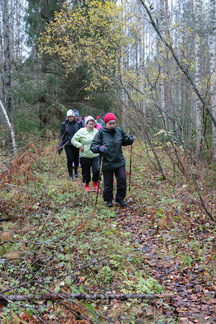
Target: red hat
(108, 117)
(98, 116)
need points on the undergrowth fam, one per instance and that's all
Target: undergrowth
(56, 241)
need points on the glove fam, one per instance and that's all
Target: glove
(103, 149)
(59, 151)
(131, 138)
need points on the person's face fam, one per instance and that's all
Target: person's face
(90, 125)
(111, 124)
(77, 117)
(70, 118)
(98, 119)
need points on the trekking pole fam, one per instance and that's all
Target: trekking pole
(130, 166)
(99, 181)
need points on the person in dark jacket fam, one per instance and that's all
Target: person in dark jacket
(79, 119)
(109, 141)
(68, 128)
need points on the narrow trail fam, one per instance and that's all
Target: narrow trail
(195, 300)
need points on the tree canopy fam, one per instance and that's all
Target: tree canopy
(88, 35)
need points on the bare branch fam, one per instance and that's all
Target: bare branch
(55, 297)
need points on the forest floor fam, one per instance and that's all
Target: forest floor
(56, 242)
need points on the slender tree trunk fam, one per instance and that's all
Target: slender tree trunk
(46, 8)
(212, 55)
(10, 127)
(198, 108)
(168, 89)
(6, 58)
(163, 76)
(6, 51)
(141, 63)
(1, 69)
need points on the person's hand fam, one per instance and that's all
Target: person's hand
(103, 149)
(131, 138)
(81, 148)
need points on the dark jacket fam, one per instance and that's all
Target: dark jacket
(67, 132)
(113, 139)
(81, 122)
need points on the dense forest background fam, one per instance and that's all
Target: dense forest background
(151, 63)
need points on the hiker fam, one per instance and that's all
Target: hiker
(79, 119)
(97, 125)
(108, 142)
(100, 121)
(68, 128)
(89, 160)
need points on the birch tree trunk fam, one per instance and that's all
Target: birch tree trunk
(198, 109)
(163, 84)
(6, 58)
(1, 69)
(212, 61)
(10, 127)
(142, 62)
(6, 53)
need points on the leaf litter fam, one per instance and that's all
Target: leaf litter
(164, 226)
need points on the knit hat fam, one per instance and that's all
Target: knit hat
(88, 119)
(98, 116)
(108, 117)
(76, 113)
(70, 113)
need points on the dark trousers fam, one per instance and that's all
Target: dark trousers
(72, 156)
(87, 164)
(108, 184)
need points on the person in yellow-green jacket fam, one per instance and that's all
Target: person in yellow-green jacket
(82, 140)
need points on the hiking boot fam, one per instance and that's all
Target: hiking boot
(76, 175)
(96, 186)
(109, 204)
(70, 178)
(87, 187)
(121, 202)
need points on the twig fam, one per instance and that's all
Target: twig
(196, 185)
(73, 311)
(81, 268)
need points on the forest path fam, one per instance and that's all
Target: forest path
(172, 263)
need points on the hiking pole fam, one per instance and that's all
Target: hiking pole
(99, 181)
(130, 167)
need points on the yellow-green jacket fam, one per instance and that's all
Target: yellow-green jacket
(84, 138)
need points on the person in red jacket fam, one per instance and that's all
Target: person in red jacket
(100, 121)
(97, 125)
